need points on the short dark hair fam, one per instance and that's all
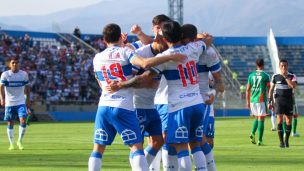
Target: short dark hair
(172, 31)
(259, 62)
(111, 33)
(14, 58)
(157, 20)
(284, 60)
(189, 31)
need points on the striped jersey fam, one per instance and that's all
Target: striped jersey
(281, 88)
(209, 62)
(14, 84)
(114, 64)
(182, 79)
(258, 82)
(144, 97)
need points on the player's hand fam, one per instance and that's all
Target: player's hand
(210, 100)
(248, 105)
(179, 58)
(136, 29)
(204, 35)
(124, 37)
(113, 86)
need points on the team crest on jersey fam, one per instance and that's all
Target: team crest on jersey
(199, 131)
(128, 135)
(181, 132)
(101, 135)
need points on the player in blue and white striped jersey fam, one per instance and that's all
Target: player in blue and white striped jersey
(14, 86)
(143, 99)
(185, 108)
(207, 62)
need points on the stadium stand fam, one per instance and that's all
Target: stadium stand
(61, 73)
(293, 51)
(241, 54)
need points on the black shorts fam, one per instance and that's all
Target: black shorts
(283, 106)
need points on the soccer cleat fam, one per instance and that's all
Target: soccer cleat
(11, 147)
(260, 143)
(252, 139)
(20, 146)
(295, 134)
(286, 144)
(273, 129)
(282, 145)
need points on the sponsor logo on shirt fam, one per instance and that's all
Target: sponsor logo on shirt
(188, 95)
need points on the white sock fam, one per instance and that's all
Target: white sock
(210, 162)
(150, 154)
(95, 162)
(131, 159)
(184, 161)
(209, 157)
(139, 162)
(273, 121)
(170, 162)
(155, 165)
(10, 135)
(199, 159)
(21, 132)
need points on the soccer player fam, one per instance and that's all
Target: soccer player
(295, 117)
(14, 86)
(169, 155)
(147, 115)
(208, 62)
(283, 85)
(256, 98)
(115, 111)
(185, 108)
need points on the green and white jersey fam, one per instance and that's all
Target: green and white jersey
(258, 82)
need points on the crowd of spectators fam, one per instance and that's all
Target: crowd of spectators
(57, 73)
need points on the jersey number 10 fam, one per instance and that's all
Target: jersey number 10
(191, 71)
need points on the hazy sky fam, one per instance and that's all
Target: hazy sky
(39, 7)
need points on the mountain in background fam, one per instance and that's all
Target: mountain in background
(218, 17)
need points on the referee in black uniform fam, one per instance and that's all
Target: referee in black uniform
(282, 84)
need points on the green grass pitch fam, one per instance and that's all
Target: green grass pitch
(67, 146)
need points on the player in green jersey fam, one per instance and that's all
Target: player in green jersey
(256, 97)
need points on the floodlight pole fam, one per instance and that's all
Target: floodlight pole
(176, 9)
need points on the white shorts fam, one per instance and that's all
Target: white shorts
(258, 109)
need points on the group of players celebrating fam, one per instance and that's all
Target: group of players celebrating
(157, 87)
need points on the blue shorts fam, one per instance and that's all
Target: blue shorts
(162, 110)
(149, 122)
(110, 120)
(13, 112)
(206, 118)
(186, 125)
(210, 128)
